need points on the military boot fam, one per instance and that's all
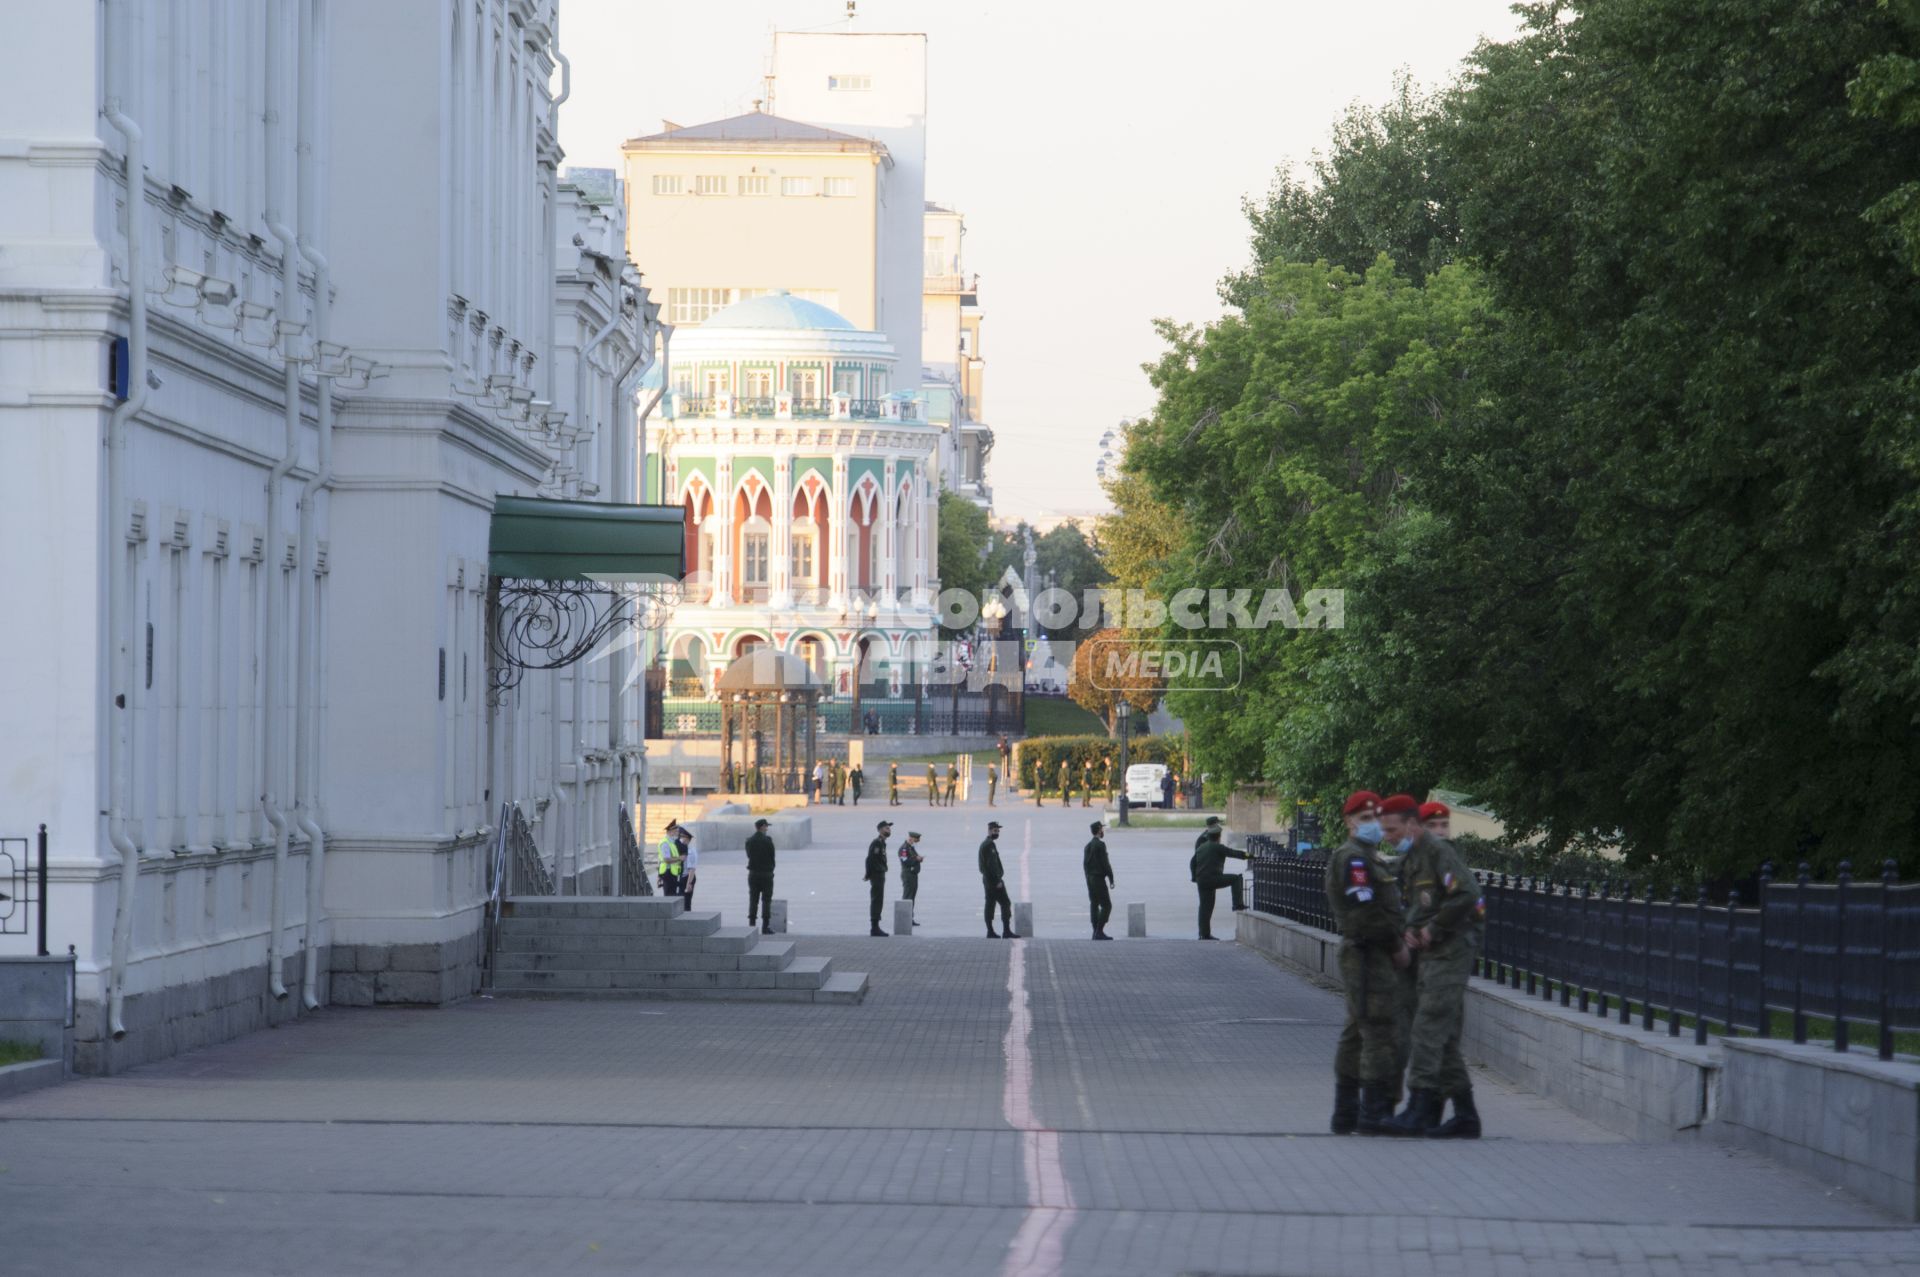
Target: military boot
(1376, 1110)
(1346, 1107)
(1465, 1122)
(1420, 1116)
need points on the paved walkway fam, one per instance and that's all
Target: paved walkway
(1039, 846)
(993, 1108)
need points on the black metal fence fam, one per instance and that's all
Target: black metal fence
(23, 888)
(1844, 951)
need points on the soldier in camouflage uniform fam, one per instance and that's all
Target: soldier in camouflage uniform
(1444, 915)
(1365, 905)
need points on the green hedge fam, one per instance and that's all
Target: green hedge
(1044, 754)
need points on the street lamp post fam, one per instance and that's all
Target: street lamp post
(1125, 712)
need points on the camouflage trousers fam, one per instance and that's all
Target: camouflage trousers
(1436, 1064)
(1367, 1049)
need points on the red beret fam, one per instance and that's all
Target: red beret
(1429, 810)
(1359, 800)
(1400, 805)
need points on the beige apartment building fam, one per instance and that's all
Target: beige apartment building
(735, 209)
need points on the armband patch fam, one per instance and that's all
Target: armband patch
(1357, 873)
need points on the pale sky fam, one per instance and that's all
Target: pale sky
(1099, 151)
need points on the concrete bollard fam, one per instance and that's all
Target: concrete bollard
(1136, 921)
(1023, 917)
(903, 917)
(778, 910)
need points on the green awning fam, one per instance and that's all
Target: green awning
(534, 539)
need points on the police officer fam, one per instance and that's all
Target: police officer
(993, 877)
(760, 877)
(876, 877)
(1444, 915)
(668, 854)
(993, 782)
(1099, 871)
(1437, 818)
(893, 784)
(1208, 868)
(1365, 904)
(689, 867)
(910, 862)
(953, 782)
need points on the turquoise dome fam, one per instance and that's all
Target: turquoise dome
(778, 309)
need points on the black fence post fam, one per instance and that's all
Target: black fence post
(1626, 947)
(1889, 874)
(41, 903)
(1800, 956)
(1840, 883)
(1533, 919)
(1586, 948)
(1673, 960)
(1700, 967)
(1646, 959)
(1600, 967)
(1733, 906)
(1765, 1028)
(1567, 965)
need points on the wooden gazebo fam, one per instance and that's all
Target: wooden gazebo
(769, 705)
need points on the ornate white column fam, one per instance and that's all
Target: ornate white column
(889, 557)
(842, 514)
(929, 537)
(780, 595)
(723, 530)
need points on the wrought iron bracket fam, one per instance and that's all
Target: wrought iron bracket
(549, 625)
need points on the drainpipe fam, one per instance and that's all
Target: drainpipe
(276, 601)
(306, 775)
(119, 609)
(646, 641)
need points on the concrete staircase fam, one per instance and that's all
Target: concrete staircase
(647, 947)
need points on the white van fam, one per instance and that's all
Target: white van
(1143, 783)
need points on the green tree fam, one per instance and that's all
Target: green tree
(1380, 188)
(964, 541)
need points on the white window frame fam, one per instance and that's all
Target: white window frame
(802, 566)
(803, 383)
(850, 82)
(799, 186)
(755, 184)
(668, 184)
(757, 383)
(756, 549)
(709, 184)
(839, 188)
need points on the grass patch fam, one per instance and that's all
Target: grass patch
(1049, 717)
(18, 1052)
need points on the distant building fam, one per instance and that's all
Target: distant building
(954, 373)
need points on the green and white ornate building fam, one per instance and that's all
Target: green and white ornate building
(809, 490)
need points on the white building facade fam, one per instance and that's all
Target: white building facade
(266, 363)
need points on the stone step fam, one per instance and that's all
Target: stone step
(730, 940)
(673, 995)
(804, 973)
(768, 955)
(844, 987)
(695, 924)
(639, 980)
(656, 926)
(531, 941)
(671, 960)
(588, 906)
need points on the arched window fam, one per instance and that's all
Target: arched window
(756, 541)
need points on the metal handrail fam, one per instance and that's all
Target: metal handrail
(633, 861)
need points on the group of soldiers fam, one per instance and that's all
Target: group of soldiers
(1410, 913)
(993, 877)
(837, 780)
(1089, 773)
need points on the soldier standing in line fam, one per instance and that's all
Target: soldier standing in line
(760, 877)
(910, 862)
(1086, 783)
(856, 778)
(1208, 867)
(1444, 914)
(1099, 871)
(994, 878)
(953, 782)
(1066, 783)
(1006, 763)
(893, 784)
(1106, 770)
(1365, 904)
(933, 787)
(1039, 783)
(876, 877)
(993, 782)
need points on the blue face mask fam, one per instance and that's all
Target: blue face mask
(1403, 844)
(1369, 832)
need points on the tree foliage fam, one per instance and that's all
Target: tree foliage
(1100, 690)
(965, 536)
